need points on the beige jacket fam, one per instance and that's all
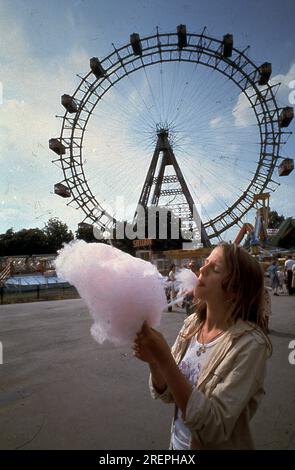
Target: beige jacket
(229, 388)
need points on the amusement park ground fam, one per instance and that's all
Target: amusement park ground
(61, 390)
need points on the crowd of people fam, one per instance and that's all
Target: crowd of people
(282, 281)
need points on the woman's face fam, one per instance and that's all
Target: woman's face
(211, 276)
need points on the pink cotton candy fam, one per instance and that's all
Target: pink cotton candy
(120, 291)
(186, 280)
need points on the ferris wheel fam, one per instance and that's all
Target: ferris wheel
(215, 109)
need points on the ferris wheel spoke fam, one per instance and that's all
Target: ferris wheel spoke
(214, 198)
(180, 99)
(213, 175)
(200, 173)
(113, 111)
(154, 100)
(170, 99)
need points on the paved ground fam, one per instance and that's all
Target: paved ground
(61, 390)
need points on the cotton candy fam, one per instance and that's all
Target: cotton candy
(120, 291)
(186, 280)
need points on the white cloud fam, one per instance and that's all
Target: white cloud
(216, 121)
(31, 97)
(283, 92)
(242, 112)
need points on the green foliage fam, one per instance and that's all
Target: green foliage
(34, 240)
(57, 233)
(26, 241)
(274, 219)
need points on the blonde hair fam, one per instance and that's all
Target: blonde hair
(244, 280)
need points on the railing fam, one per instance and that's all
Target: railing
(22, 294)
(5, 274)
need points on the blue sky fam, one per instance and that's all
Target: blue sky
(43, 45)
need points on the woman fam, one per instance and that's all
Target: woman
(215, 371)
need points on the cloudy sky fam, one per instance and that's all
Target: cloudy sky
(44, 45)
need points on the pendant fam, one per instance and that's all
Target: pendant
(202, 349)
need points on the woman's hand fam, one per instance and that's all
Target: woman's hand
(150, 346)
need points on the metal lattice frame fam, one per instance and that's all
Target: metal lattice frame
(159, 48)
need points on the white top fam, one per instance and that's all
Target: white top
(289, 264)
(172, 275)
(190, 365)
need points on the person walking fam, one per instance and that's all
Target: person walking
(289, 273)
(274, 278)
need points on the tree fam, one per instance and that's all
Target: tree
(24, 242)
(57, 234)
(5, 242)
(274, 219)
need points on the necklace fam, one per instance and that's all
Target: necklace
(202, 348)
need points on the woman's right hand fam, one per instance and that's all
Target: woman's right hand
(150, 346)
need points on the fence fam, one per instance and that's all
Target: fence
(5, 274)
(11, 295)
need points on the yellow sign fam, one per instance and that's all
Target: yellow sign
(141, 243)
(188, 253)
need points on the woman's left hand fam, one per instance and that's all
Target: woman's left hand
(150, 346)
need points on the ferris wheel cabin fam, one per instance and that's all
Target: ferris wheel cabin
(56, 146)
(136, 44)
(96, 67)
(286, 116)
(227, 43)
(286, 167)
(62, 190)
(265, 73)
(182, 38)
(69, 103)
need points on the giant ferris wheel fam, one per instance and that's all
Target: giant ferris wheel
(172, 119)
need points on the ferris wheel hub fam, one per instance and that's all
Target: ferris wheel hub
(162, 130)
